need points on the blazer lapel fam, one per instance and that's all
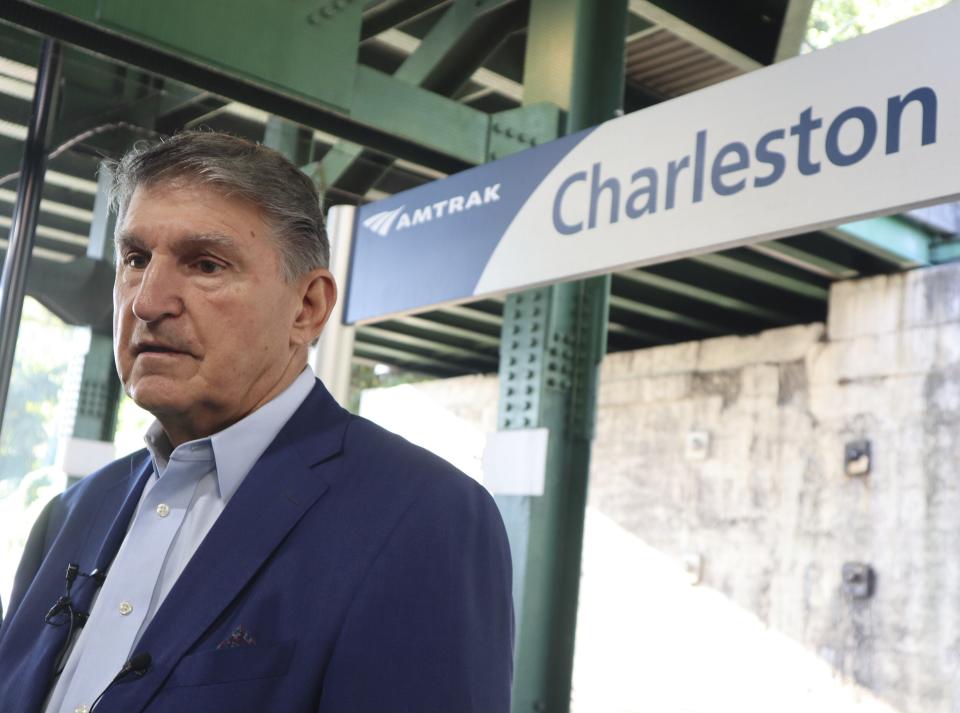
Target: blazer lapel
(97, 546)
(139, 474)
(276, 493)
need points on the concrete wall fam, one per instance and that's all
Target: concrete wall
(767, 517)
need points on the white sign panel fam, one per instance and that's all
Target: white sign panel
(515, 461)
(867, 127)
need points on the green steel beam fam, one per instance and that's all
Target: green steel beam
(95, 93)
(707, 297)
(851, 256)
(67, 196)
(66, 250)
(335, 99)
(760, 269)
(15, 109)
(945, 251)
(641, 336)
(418, 115)
(405, 358)
(312, 35)
(805, 260)
(293, 141)
(98, 92)
(189, 112)
(710, 277)
(665, 315)
(72, 231)
(631, 331)
(387, 105)
(420, 346)
(329, 170)
(455, 46)
(472, 315)
(493, 306)
(390, 13)
(69, 162)
(891, 239)
(519, 129)
(553, 339)
(20, 46)
(78, 292)
(445, 331)
(449, 319)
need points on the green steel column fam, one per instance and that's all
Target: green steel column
(552, 342)
(100, 388)
(292, 140)
(96, 417)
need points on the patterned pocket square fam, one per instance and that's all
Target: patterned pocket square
(238, 637)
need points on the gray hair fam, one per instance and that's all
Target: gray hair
(287, 197)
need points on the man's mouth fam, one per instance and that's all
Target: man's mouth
(155, 349)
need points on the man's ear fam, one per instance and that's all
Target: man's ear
(318, 292)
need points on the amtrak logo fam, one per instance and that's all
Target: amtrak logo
(383, 222)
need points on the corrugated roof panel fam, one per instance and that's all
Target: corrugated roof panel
(668, 64)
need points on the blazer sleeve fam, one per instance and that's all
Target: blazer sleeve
(33, 554)
(431, 627)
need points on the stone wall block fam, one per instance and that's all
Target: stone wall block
(942, 392)
(668, 359)
(833, 404)
(931, 296)
(874, 356)
(763, 381)
(665, 388)
(862, 307)
(645, 389)
(772, 346)
(618, 392)
(917, 350)
(948, 345)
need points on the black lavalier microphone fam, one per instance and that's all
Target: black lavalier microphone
(136, 666)
(63, 611)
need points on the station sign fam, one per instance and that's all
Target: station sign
(864, 128)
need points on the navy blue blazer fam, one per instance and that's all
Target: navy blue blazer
(352, 572)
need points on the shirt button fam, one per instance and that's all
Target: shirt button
(125, 608)
(81, 709)
(163, 509)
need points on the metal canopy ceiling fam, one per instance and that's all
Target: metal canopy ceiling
(673, 47)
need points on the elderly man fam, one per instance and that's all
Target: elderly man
(267, 552)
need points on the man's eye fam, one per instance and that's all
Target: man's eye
(209, 267)
(135, 260)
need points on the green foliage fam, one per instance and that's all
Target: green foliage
(25, 439)
(833, 21)
(44, 349)
(364, 377)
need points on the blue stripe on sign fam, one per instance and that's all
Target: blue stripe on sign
(430, 245)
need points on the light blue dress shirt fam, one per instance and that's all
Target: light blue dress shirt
(190, 487)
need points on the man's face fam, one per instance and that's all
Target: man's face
(205, 327)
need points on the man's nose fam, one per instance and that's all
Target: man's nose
(158, 293)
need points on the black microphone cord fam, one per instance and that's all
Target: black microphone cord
(136, 666)
(63, 612)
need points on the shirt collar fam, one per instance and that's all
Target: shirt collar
(237, 448)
